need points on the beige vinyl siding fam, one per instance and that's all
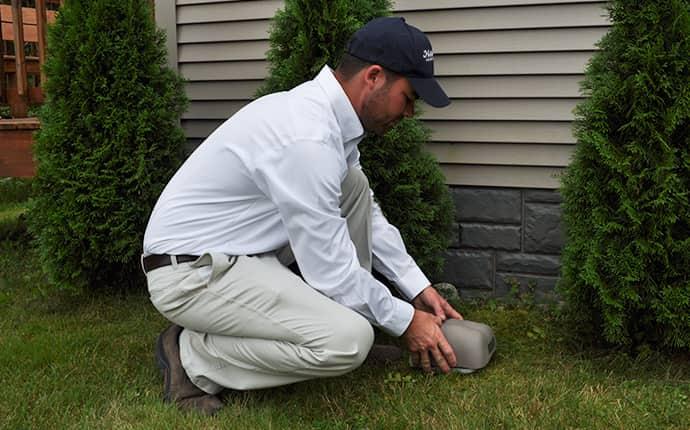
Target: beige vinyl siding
(204, 11)
(511, 68)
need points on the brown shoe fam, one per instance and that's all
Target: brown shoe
(381, 355)
(177, 387)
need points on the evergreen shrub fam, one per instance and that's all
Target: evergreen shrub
(109, 141)
(626, 264)
(407, 182)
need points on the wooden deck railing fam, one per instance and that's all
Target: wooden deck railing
(23, 53)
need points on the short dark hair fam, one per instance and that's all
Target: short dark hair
(350, 65)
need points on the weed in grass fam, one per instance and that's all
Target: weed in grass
(396, 379)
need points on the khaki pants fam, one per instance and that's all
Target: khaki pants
(251, 323)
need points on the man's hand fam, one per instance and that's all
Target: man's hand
(425, 340)
(430, 300)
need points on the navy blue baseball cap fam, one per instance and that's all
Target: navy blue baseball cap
(399, 47)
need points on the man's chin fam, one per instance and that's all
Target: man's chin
(375, 132)
(378, 128)
(380, 131)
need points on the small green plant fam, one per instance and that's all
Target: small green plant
(109, 141)
(34, 110)
(14, 190)
(397, 379)
(536, 332)
(513, 289)
(12, 221)
(14, 196)
(523, 294)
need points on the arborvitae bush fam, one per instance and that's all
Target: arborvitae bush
(406, 180)
(626, 265)
(108, 143)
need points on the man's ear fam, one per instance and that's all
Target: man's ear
(374, 77)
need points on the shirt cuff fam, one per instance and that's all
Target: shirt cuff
(413, 282)
(402, 317)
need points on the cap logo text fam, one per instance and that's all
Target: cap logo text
(428, 55)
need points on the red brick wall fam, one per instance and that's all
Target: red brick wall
(16, 139)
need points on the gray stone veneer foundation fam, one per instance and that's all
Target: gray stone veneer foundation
(505, 238)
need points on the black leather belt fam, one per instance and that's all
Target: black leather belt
(155, 261)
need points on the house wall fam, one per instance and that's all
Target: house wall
(512, 70)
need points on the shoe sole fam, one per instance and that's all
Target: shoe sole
(164, 367)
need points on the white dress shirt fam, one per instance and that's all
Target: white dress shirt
(271, 175)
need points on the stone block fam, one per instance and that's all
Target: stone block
(488, 205)
(474, 293)
(543, 196)
(543, 231)
(455, 234)
(491, 236)
(528, 263)
(469, 269)
(543, 287)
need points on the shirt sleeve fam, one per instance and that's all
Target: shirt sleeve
(305, 184)
(390, 257)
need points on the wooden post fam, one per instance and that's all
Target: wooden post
(41, 24)
(21, 107)
(3, 78)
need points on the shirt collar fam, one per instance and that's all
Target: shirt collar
(350, 126)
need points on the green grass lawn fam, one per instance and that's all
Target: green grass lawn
(11, 222)
(86, 361)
